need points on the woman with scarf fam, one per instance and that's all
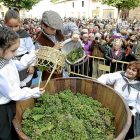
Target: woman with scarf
(113, 54)
(127, 84)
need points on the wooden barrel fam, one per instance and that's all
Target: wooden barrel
(104, 94)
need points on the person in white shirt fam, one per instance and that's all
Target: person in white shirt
(10, 90)
(127, 84)
(12, 20)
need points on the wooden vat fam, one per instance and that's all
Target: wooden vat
(104, 94)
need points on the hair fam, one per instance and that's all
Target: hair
(110, 42)
(136, 64)
(98, 34)
(132, 33)
(44, 23)
(8, 37)
(13, 12)
(107, 36)
(98, 26)
(85, 34)
(120, 43)
(91, 34)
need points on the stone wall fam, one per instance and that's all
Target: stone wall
(135, 12)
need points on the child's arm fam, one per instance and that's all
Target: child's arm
(25, 61)
(11, 89)
(29, 44)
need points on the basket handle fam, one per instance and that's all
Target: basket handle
(80, 62)
(48, 78)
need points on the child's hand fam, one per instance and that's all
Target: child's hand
(113, 60)
(75, 37)
(42, 91)
(31, 70)
(36, 52)
(58, 45)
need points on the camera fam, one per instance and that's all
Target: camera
(96, 38)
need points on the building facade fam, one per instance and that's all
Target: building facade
(3, 10)
(84, 8)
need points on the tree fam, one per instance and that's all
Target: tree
(121, 4)
(27, 4)
(53, 1)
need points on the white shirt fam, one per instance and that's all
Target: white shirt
(10, 82)
(26, 45)
(132, 98)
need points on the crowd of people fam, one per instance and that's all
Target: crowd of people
(110, 40)
(104, 38)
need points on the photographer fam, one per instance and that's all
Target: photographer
(98, 48)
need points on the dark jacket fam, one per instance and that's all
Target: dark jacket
(111, 55)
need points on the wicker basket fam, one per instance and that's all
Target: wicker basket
(70, 45)
(52, 59)
(104, 94)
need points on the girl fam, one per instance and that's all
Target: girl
(12, 20)
(10, 90)
(127, 84)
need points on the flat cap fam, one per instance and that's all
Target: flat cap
(52, 19)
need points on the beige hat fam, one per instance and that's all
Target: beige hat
(52, 19)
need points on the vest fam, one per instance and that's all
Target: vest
(45, 41)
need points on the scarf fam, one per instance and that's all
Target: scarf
(113, 51)
(3, 62)
(22, 33)
(135, 85)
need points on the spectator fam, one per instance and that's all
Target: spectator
(114, 29)
(87, 71)
(91, 37)
(98, 48)
(108, 31)
(113, 54)
(131, 47)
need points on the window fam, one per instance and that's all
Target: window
(82, 3)
(73, 4)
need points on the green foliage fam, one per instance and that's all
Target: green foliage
(121, 4)
(42, 68)
(37, 117)
(27, 4)
(45, 65)
(75, 55)
(26, 113)
(53, 1)
(65, 116)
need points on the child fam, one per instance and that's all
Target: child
(12, 20)
(10, 90)
(115, 53)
